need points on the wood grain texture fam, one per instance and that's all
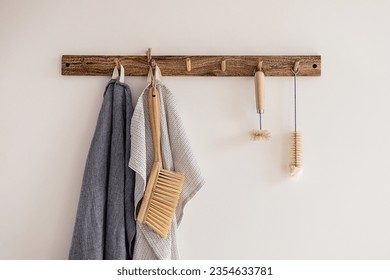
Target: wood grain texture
(279, 65)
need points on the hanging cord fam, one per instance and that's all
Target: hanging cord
(152, 67)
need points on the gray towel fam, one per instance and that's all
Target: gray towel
(105, 226)
(176, 155)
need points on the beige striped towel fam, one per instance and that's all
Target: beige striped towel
(177, 155)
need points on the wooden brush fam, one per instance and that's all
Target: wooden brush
(163, 188)
(260, 134)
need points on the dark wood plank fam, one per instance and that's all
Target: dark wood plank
(279, 65)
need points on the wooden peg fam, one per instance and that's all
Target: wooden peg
(117, 63)
(260, 66)
(296, 66)
(188, 64)
(223, 65)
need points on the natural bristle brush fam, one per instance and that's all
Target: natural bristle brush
(295, 137)
(260, 134)
(163, 188)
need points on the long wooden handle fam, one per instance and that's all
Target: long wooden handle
(154, 118)
(259, 90)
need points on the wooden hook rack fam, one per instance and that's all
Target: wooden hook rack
(280, 65)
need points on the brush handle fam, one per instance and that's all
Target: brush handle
(141, 216)
(259, 91)
(154, 118)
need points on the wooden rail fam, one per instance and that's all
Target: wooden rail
(279, 65)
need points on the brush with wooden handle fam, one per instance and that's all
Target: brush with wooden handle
(260, 134)
(163, 188)
(295, 166)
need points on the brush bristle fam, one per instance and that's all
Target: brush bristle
(295, 153)
(163, 201)
(256, 135)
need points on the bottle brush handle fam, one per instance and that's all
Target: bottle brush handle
(259, 91)
(154, 118)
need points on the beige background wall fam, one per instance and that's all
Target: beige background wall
(249, 208)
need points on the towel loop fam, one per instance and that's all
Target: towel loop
(122, 74)
(119, 71)
(115, 73)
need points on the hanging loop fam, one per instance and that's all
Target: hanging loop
(149, 55)
(152, 67)
(152, 63)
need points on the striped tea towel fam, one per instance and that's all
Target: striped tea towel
(177, 156)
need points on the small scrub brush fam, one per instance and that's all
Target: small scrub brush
(295, 166)
(295, 153)
(256, 135)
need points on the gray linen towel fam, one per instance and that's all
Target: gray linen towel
(105, 225)
(177, 156)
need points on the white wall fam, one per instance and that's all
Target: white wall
(249, 208)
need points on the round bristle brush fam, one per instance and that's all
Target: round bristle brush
(295, 137)
(295, 153)
(260, 134)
